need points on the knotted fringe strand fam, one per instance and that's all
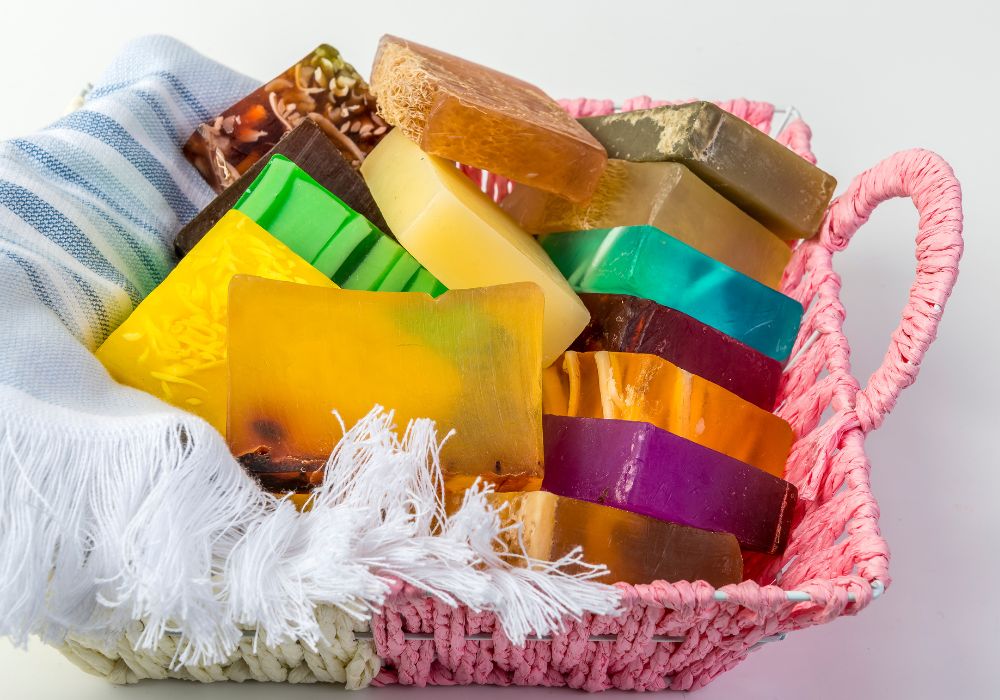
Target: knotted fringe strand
(155, 521)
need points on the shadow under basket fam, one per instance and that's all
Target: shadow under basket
(675, 635)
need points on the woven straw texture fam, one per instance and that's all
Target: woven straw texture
(836, 557)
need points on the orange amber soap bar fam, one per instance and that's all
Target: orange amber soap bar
(469, 359)
(477, 116)
(635, 548)
(649, 389)
(173, 346)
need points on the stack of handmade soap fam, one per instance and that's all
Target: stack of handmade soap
(662, 407)
(347, 262)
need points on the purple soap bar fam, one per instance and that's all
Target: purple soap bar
(621, 323)
(640, 468)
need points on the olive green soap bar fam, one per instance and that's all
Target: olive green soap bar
(776, 186)
(289, 204)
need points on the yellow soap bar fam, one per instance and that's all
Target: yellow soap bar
(174, 344)
(649, 389)
(462, 237)
(469, 359)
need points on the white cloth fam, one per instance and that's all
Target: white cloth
(115, 506)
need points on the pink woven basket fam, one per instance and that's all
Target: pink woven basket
(682, 635)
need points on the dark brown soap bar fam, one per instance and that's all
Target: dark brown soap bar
(311, 150)
(621, 323)
(322, 87)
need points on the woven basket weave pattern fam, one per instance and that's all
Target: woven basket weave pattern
(836, 559)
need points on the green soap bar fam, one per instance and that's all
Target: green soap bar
(375, 266)
(643, 261)
(289, 204)
(400, 273)
(768, 181)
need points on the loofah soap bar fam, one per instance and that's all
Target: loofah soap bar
(174, 344)
(477, 116)
(645, 262)
(470, 360)
(669, 197)
(338, 241)
(647, 388)
(635, 548)
(321, 87)
(776, 186)
(639, 468)
(462, 237)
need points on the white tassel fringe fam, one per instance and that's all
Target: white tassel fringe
(155, 521)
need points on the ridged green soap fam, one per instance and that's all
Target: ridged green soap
(342, 244)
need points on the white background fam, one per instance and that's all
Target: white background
(871, 78)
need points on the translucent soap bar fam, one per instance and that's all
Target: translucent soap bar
(469, 359)
(645, 262)
(462, 237)
(647, 388)
(321, 87)
(477, 116)
(776, 186)
(336, 240)
(635, 548)
(621, 323)
(642, 469)
(174, 344)
(669, 197)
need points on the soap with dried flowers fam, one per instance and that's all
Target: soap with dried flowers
(322, 87)
(174, 344)
(634, 548)
(469, 359)
(669, 197)
(644, 261)
(465, 112)
(622, 323)
(764, 178)
(647, 388)
(642, 469)
(462, 237)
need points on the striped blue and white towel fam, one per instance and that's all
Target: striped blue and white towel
(116, 507)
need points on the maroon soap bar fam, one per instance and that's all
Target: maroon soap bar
(642, 469)
(620, 323)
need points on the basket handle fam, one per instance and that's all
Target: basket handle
(930, 183)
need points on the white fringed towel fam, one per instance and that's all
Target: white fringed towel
(116, 507)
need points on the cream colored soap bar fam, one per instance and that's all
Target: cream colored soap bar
(462, 237)
(174, 344)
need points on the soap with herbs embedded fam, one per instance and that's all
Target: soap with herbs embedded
(647, 388)
(470, 360)
(462, 237)
(321, 228)
(634, 548)
(669, 197)
(322, 87)
(642, 469)
(477, 116)
(622, 323)
(644, 261)
(174, 345)
(779, 188)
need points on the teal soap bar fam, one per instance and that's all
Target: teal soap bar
(289, 204)
(643, 261)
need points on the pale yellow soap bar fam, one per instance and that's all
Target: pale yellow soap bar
(174, 344)
(462, 237)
